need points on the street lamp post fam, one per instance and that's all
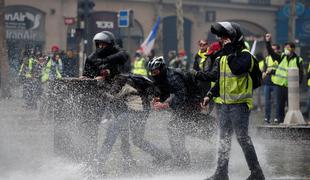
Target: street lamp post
(292, 21)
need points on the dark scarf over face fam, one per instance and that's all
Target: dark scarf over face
(161, 77)
(104, 52)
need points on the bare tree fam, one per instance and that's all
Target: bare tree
(180, 22)
(158, 7)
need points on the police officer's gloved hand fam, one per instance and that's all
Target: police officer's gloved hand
(229, 49)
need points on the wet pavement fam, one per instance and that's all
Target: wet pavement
(26, 152)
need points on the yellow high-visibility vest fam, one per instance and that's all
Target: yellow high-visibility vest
(28, 74)
(47, 69)
(203, 58)
(139, 67)
(271, 64)
(235, 89)
(281, 75)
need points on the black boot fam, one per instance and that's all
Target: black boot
(219, 176)
(256, 175)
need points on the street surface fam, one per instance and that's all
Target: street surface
(26, 152)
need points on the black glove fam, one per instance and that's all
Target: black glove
(104, 66)
(229, 49)
(97, 61)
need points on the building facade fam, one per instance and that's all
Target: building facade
(42, 23)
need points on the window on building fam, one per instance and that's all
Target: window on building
(210, 16)
(260, 2)
(306, 3)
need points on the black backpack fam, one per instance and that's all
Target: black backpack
(256, 74)
(190, 82)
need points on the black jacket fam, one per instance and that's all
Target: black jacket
(143, 87)
(180, 88)
(211, 68)
(208, 75)
(197, 60)
(114, 60)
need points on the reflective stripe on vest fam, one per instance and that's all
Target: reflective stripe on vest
(235, 89)
(28, 74)
(218, 100)
(281, 75)
(271, 64)
(203, 58)
(47, 69)
(139, 67)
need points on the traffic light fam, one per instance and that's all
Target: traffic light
(85, 8)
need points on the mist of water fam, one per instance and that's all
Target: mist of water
(26, 153)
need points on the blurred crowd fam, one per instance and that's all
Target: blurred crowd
(37, 69)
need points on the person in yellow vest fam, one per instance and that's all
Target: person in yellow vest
(53, 67)
(234, 86)
(200, 63)
(269, 68)
(37, 75)
(139, 65)
(201, 56)
(288, 59)
(207, 76)
(26, 77)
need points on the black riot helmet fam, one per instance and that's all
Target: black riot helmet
(156, 63)
(228, 29)
(104, 37)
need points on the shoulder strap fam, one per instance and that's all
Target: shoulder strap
(297, 62)
(252, 58)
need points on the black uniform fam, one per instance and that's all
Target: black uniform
(183, 95)
(113, 59)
